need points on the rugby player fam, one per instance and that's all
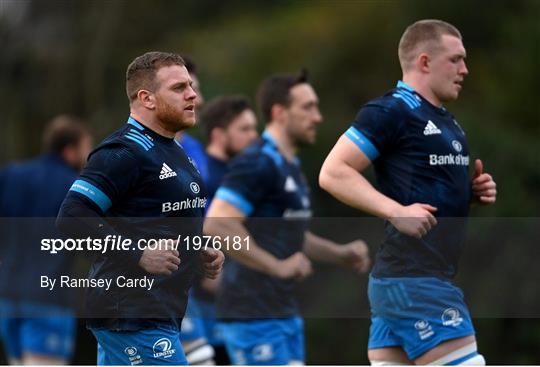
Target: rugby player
(421, 160)
(230, 126)
(143, 179)
(37, 327)
(264, 196)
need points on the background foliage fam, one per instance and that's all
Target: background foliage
(70, 56)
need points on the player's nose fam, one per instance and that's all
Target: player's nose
(317, 117)
(191, 94)
(464, 71)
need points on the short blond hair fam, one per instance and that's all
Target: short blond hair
(423, 35)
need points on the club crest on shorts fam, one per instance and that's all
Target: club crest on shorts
(263, 352)
(162, 348)
(451, 317)
(424, 329)
(133, 355)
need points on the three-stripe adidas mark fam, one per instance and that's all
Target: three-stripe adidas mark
(431, 129)
(166, 172)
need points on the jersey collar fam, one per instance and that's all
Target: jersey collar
(402, 84)
(270, 139)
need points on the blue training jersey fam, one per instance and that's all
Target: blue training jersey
(32, 191)
(420, 155)
(146, 187)
(216, 170)
(195, 150)
(273, 193)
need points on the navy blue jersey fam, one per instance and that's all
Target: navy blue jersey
(33, 190)
(195, 150)
(216, 170)
(141, 181)
(272, 192)
(420, 155)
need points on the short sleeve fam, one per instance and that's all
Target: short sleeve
(248, 180)
(110, 173)
(374, 130)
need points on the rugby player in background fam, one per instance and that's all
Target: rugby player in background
(36, 327)
(264, 196)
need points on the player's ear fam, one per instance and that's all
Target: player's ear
(422, 62)
(217, 135)
(277, 112)
(146, 98)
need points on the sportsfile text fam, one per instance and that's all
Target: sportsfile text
(120, 243)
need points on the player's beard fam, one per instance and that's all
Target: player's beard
(171, 117)
(230, 151)
(301, 137)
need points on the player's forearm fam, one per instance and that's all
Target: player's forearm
(79, 219)
(352, 188)
(253, 256)
(321, 249)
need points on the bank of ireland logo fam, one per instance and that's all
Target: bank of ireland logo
(457, 146)
(451, 317)
(424, 329)
(194, 187)
(162, 348)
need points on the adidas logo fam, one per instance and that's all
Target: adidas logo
(290, 185)
(431, 129)
(166, 172)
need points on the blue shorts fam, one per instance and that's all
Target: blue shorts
(416, 314)
(51, 336)
(200, 322)
(159, 346)
(265, 342)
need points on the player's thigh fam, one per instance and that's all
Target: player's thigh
(388, 356)
(445, 352)
(384, 346)
(48, 340)
(160, 346)
(256, 342)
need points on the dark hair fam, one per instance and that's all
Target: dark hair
(141, 73)
(420, 36)
(221, 111)
(190, 64)
(275, 90)
(63, 131)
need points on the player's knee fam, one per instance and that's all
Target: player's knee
(391, 356)
(199, 352)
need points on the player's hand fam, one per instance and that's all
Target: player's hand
(212, 262)
(355, 255)
(296, 266)
(161, 261)
(414, 220)
(483, 186)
